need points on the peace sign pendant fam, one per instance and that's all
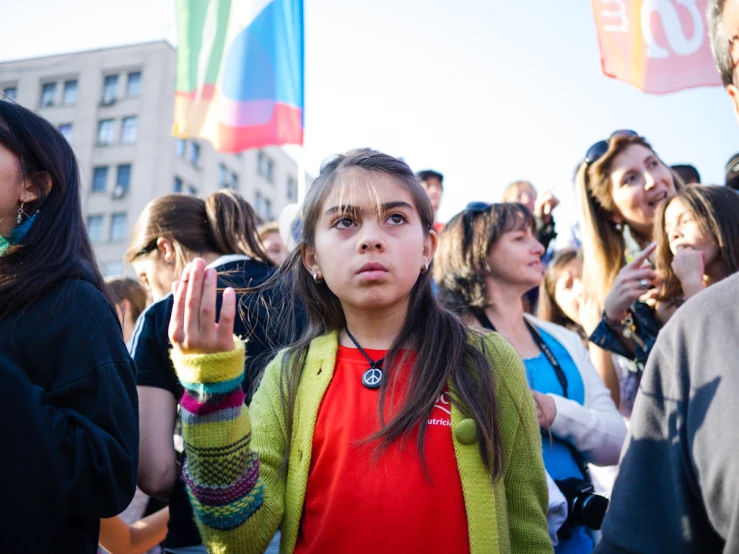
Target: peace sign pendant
(372, 378)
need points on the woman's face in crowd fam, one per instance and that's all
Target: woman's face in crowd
(568, 290)
(515, 259)
(435, 190)
(639, 183)
(370, 245)
(274, 247)
(10, 190)
(683, 231)
(526, 195)
(154, 274)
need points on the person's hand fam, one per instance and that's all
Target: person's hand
(590, 315)
(546, 410)
(689, 267)
(631, 282)
(544, 205)
(193, 327)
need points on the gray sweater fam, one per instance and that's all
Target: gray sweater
(678, 486)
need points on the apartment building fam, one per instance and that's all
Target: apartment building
(115, 107)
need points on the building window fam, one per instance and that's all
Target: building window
(10, 93)
(222, 176)
(66, 131)
(48, 94)
(265, 166)
(258, 203)
(110, 89)
(179, 147)
(195, 154)
(129, 130)
(95, 228)
(133, 84)
(192, 190)
(70, 92)
(99, 179)
(113, 269)
(234, 181)
(123, 178)
(178, 185)
(118, 227)
(106, 132)
(292, 189)
(267, 209)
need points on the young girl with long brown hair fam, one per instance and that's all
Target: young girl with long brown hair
(389, 426)
(697, 243)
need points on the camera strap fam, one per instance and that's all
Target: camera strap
(558, 371)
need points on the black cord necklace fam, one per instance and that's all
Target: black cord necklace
(372, 378)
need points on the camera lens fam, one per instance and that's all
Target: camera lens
(592, 510)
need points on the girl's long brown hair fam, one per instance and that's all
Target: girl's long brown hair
(440, 341)
(716, 210)
(603, 245)
(223, 223)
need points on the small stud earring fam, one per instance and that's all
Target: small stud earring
(425, 267)
(19, 218)
(316, 278)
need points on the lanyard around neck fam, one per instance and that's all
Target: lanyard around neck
(558, 371)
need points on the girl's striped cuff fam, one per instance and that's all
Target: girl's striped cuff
(209, 369)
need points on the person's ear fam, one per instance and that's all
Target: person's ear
(166, 250)
(30, 187)
(734, 94)
(310, 261)
(430, 243)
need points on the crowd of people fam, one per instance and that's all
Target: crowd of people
(378, 380)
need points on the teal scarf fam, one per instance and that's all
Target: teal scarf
(17, 235)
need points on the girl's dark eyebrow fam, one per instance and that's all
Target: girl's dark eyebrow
(348, 208)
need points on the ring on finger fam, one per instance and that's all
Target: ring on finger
(644, 284)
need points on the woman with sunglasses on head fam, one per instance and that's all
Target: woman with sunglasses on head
(59, 329)
(488, 257)
(619, 185)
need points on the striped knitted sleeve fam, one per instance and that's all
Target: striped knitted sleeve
(222, 473)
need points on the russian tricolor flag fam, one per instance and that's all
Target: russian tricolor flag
(239, 78)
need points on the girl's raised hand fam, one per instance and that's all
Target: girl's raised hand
(689, 266)
(193, 328)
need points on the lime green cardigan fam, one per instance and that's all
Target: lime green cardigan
(506, 516)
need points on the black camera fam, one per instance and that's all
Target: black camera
(584, 507)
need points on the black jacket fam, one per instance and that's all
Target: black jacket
(82, 395)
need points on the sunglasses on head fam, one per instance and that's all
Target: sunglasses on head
(475, 207)
(597, 151)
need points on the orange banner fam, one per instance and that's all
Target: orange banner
(658, 46)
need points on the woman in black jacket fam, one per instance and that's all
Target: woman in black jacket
(59, 326)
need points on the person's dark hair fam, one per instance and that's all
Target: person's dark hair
(720, 41)
(223, 223)
(445, 350)
(461, 261)
(426, 174)
(125, 288)
(731, 172)
(716, 210)
(687, 172)
(547, 308)
(56, 246)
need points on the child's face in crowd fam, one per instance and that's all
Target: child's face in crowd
(568, 290)
(434, 190)
(683, 231)
(515, 259)
(639, 183)
(370, 245)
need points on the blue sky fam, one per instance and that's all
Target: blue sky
(486, 92)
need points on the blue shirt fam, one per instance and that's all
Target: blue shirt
(559, 459)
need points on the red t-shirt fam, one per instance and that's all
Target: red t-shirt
(360, 502)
